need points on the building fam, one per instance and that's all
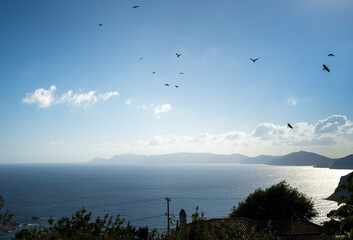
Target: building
(287, 229)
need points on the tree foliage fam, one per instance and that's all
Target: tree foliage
(80, 226)
(5, 216)
(198, 229)
(279, 201)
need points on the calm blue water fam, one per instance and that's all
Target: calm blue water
(137, 192)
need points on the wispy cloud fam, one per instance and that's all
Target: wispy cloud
(45, 98)
(162, 109)
(80, 99)
(143, 106)
(292, 101)
(107, 95)
(128, 101)
(56, 143)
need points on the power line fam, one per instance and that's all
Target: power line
(140, 219)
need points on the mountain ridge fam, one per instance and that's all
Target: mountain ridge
(301, 158)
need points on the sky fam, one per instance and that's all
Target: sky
(72, 90)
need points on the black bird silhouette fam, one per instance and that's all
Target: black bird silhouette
(178, 54)
(254, 60)
(290, 126)
(135, 6)
(153, 72)
(167, 85)
(100, 24)
(330, 55)
(141, 58)
(181, 73)
(325, 68)
(176, 86)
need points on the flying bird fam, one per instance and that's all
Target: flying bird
(330, 55)
(135, 6)
(181, 73)
(290, 126)
(141, 58)
(167, 85)
(325, 68)
(153, 72)
(254, 60)
(176, 86)
(100, 24)
(178, 54)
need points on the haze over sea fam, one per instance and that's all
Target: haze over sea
(138, 192)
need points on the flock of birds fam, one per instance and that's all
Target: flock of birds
(167, 84)
(177, 54)
(325, 68)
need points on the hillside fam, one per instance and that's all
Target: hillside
(302, 159)
(343, 163)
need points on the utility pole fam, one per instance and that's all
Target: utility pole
(168, 200)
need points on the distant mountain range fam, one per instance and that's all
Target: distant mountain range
(293, 159)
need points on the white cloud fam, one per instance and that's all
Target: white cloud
(157, 140)
(331, 124)
(292, 101)
(108, 95)
(128, 101)
(233, 135)
(350, 131)
(44, 98)
(65, 97)
(143, 106)
(162, 109)
(202, 138)
(83, 99)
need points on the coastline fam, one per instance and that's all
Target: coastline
(7, 228)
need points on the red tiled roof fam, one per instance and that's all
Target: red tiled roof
(291, 227)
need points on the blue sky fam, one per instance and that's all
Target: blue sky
(72, 90)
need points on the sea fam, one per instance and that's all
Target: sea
(138, 192)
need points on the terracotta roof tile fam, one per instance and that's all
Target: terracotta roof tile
(291, 227)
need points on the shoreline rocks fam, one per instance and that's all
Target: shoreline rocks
(344, 192)
(9, 227)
